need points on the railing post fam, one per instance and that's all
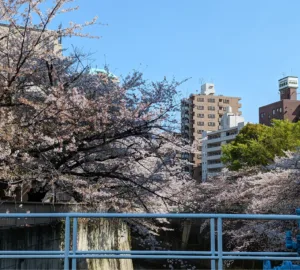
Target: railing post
(74, 243)
(212, 243)
(67, 243)
(220, 244)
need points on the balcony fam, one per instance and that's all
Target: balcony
(209, 141)
(213, 157)
(212, 149)
(214, 166)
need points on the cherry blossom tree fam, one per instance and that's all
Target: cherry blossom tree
(273, 189)
(65, 130)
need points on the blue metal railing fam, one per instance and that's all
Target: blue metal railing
(216, 256)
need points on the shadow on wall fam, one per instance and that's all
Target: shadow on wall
(32, 238)
(297, 114)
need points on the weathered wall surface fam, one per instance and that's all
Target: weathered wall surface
(31, 238)
(103, 234)
(98, 234)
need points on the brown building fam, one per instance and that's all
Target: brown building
(288, 108)
(203, 112)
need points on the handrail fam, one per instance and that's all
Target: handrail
(216, 253)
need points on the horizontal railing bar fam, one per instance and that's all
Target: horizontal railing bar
(141, 252)
(137, 252)
(133, 215)
(134, 252)
(183, 257)
(251, 253)
(31, 252)
(31, 256)
(95, 256)
(261, 258)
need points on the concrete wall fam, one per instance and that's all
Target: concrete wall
(31, 238)
(98, 234)
(104, 234)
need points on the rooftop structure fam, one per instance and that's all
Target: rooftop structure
(287, 108)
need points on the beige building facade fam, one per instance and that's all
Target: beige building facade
(203, 112)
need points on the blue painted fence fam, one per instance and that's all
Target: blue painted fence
(216, 254)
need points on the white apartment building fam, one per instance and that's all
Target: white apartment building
(212, 142)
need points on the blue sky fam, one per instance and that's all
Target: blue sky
(243, 47)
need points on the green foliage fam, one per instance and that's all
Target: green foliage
(258, 144)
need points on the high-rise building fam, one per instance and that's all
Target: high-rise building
(203, 112)
(47, 40)
(288, 108)
(212, 142)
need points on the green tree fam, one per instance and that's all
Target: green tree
(258, 144)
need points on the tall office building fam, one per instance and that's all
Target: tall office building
(287, 108)
(203, 112)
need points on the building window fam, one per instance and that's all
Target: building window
(211, 116)
(200, 107)
(200, 123)
(224, 109)
(280, 109)
(200, 99)
(226, 101)
(211, 108)
(274, 111)
(199, 131)
(200, 115)
(211, 100)
(262, 115)
(211, 124)
(220, 100)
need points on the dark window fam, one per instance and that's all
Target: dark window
(211, 108)
(211, 100)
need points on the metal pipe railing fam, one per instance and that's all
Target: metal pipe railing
(214, 254)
